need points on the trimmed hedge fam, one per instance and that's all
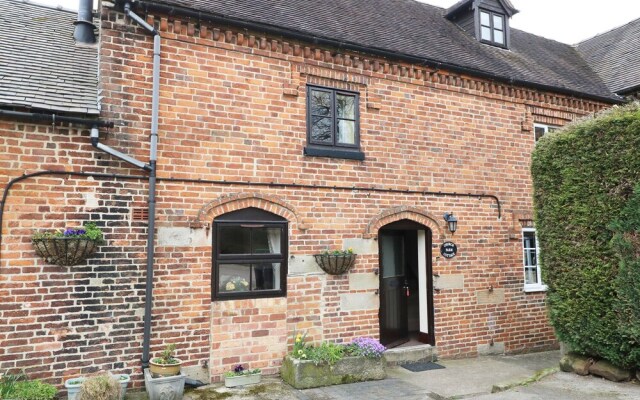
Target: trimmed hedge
(587, 220)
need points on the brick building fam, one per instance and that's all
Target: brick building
(284, 128)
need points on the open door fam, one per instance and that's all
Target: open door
(406, 284)
(394, 329)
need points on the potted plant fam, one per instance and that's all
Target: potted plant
(333, 363)
(100, 387)
(166, 364)
(241, 376)
(68, 247)
(124, 380)
(336, 262)
(73, 387)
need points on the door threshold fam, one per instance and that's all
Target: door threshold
(412, 354)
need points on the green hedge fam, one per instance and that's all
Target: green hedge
(587, 218)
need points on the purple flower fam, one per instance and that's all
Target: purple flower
(74, 232)
(368, 347)
(238, 369)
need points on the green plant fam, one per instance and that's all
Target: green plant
(240, 370)
(346, 252)
(300, 347)
(584, 178)
(33, 390)
(330, 353)
(89, 231)
(167, 357)
(8, 383)
(327, 352)
(100, 387)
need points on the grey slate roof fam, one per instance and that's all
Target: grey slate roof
(615, 55)
(41, 68)
(419, 30)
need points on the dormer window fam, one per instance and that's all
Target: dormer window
(486, 20)
(492, 28)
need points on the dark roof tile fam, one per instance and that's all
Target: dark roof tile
(41, 64)
(615, 56)
(419, 30)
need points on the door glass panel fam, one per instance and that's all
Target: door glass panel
(392, 255)
(234, 278)
(235, 240)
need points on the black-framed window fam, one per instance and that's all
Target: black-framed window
(333, 126)
(493, 28)
(250, 255)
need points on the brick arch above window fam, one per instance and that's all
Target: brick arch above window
(237, 201)
(415, 214)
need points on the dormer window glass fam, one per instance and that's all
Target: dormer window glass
(492, 27)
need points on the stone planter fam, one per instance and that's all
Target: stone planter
(303, 374)
(335, 264)
(73, 387)
(64, 251)
(170, 387)
(124, 380)
(241, 380)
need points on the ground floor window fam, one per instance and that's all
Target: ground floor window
(539, 130)
(532, 273)
(250, 255)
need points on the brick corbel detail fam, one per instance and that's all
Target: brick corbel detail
(519, 220)
(238, 201)
(404, 212)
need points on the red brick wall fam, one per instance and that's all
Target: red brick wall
(232, 108)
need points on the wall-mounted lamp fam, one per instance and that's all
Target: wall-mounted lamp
(452, 221)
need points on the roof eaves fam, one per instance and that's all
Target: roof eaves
(303, 36)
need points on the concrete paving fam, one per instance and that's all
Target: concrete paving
(460, 379)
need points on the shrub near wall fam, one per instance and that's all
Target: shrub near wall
(584, 179)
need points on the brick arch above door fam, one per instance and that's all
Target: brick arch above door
(394, 214)
(238, 201)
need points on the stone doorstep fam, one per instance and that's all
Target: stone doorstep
(409, 355)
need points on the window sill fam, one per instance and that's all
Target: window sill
(535, 288)
(334, 153)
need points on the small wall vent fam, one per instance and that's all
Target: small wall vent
(140, 214)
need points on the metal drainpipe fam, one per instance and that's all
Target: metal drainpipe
(152, 181)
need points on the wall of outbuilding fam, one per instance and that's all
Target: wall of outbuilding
(232, 108)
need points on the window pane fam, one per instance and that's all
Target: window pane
(235, 240)
(346, 106)
(529, 240)
(498, 36)
(266, 240)
(485, 33)
(497, 22)
(234, 278)
(346, 132)
(266, 276)
(321, 129)
(484, 18)
(531, 276)
(320, 103)
(539, 132)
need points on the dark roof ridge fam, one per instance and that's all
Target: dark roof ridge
(607, 31)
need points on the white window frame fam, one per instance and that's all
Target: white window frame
(547, 129)
(532, 287)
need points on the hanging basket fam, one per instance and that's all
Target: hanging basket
(335, 264)
(64, 251)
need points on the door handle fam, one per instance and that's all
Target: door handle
(377, 292)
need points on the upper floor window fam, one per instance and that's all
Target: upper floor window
(532, 272)
(333, 123)
(250, 255)
(539, 130)
(492, 27)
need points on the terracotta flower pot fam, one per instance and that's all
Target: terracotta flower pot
(163, 370)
